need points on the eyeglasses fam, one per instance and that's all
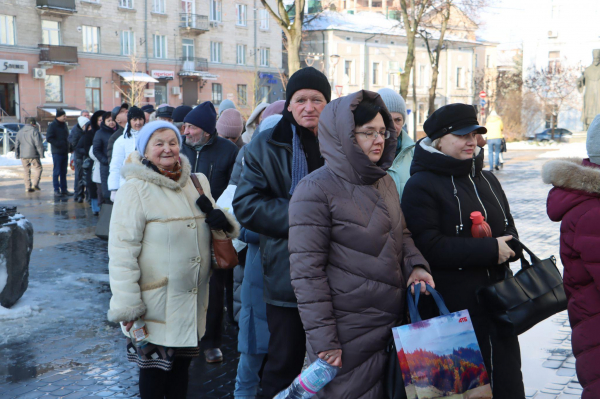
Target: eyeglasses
(372, 134)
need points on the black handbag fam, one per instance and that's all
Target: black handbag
(393, 382)
(533, 294)
(103, 225)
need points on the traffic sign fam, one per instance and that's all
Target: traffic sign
(482, 94)
(482, 102)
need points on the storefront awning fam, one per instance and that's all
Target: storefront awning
(136, 77)
(68, 111)
(201, 74)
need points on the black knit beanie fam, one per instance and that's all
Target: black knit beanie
(180, 113)
(60, 112)
(134, 112)
(307, 78)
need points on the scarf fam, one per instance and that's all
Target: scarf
(174, 175)
(299, 163)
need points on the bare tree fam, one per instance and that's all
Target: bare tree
(134, 94)
(554, 88)
(412, 15)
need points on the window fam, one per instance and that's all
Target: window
(127, 42)
(349, 75)
(187, 6)
(265, 56)
(552, 117)
(188, 49)
(376, 73)
(459, 77)
(215, 10)
(393, 68)
(264, 19)
(7, 30)
(54, 89)
(488, 61)
(217, 93)
(159, 6)
(51, 32)
(240, 12)
(421, 114)
(91, 39)
(241, 54)
(476, 61)
(421, 77)
(263, 94)
(126, 3)
(242, 92)
(160, 46)
(92, 94)
(554, 62)
(215, 51)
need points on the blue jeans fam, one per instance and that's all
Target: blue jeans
(494, 146)
(247, 380)
(61, 162)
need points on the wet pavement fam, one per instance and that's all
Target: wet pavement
(61, 345)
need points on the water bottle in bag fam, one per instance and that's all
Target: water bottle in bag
(311, 381)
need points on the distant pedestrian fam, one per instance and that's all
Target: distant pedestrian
(96, 184)
(74, 138)
(214, 157)
(124, 146)
(82, 153)
(121, 116)
(101, 138)
(179, 115)
(57, 136)
(494, 127)
(116, 113)
(253, 121)
(165, 113)
(575, 202)
(160, 259)
(29, 148)
(230, 126)
(272, 164)
(85, 113)
(447, 184)
(225, 104)
(405, 148)
(148, 111)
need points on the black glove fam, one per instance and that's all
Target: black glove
(204, 204)
(215, 218)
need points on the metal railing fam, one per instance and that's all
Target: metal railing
(194, 64)
(51, 53)
(68, 5)
(193, 21)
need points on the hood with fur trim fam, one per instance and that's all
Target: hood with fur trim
(134, 168)
(574, 181)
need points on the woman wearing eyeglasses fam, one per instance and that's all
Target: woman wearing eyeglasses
(351, 256)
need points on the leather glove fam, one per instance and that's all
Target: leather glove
(215, 218)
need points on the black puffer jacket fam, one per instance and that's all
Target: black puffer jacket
(58, 137)
(215, 160)
(101, 143)
(74, 138)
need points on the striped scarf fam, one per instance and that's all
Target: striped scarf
(299, 164)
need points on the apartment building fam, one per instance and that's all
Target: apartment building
(76, 54)
(368, 51)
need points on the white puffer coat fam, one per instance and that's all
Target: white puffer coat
(159, 250)
(121, 150)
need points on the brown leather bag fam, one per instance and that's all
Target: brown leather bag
(224, 254)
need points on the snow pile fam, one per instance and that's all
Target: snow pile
(3, 272)
(571, 150)
(25, 307)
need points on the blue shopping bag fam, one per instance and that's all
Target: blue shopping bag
(440, 357)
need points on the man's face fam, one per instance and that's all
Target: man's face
(85, 114)
(194, 135)
(61, 118)
(137, 123)
(162, 118)
(121, 118)
(306, 106)
(147, 117)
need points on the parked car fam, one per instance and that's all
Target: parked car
(559, 135)
(11, 129)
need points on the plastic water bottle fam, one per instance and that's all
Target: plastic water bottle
(139, 333)
(311, 381)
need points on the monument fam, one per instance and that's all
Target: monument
(591, 97)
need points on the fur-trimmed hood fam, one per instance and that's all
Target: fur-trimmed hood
(134, 168)
(574, 180)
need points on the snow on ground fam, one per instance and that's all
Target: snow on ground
(24, 307)
(10, 160)
(3, 272)
(571, 150)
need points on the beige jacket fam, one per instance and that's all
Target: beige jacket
(160, 258)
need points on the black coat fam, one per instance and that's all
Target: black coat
(101, 139)
(461, 264)
(215, 160)
(74, 137)
(58, 137)
(82, 149)
(261, 203)
(111, 142)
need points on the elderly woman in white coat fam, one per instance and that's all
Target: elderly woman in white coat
(160, 259)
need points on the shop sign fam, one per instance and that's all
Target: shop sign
(12, 66)
(265, 76)
(149, 93)
(168, 75)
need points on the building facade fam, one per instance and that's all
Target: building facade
(77, 54)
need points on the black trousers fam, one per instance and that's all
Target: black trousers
(287, 348)
(79, 183)
(159, 384)
(214, 315)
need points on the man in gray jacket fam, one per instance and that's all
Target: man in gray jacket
(29, 147)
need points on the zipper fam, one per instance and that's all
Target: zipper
(210, 171)
(499, 203)
(459, 227)
(491, 361)
(287, 147)
(479, 198)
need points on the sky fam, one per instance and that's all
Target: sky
(504, 21)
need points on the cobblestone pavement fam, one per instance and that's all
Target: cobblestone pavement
(66, 348)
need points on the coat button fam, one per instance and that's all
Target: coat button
(194, 291)
(198, 259)
(192, 225)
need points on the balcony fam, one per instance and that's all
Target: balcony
(193, 23)
(59, 7)
(194, 64)
(51, 55)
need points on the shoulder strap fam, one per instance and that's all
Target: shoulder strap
(196, 183)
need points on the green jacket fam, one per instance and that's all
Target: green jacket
(400, 170)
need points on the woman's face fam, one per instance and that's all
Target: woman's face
(365, 137)
(110, 122)
(459, 147)
(163, 149)
(398, 120)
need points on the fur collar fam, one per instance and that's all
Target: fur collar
(570, 173)
(133, 168)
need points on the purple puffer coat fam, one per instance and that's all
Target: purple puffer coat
(350, 253)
